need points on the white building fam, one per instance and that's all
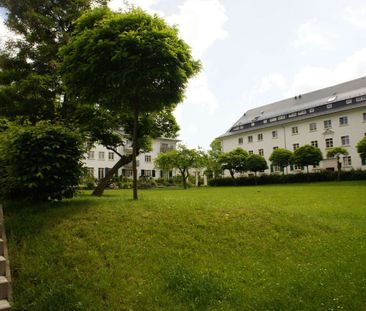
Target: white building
(99, 159)
(326, 118)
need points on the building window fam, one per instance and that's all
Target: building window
(250, 139)
(91, 155)
(295, 146)
(363, 160)
(240, 140)
(329, 143)
(295, 130)
(347, 160)
(281, 118)
(148, 158)
(272, 119)
(300, 113)
(312, 127)
(90, 171)
(274, 134)
(314, 143)
(260, 137)
(274, 148)
(261, 152)
(345, 140)
(364, 117)
(100, 173)
(360, 99)
(348, 101)
(291, 115)
(250, 151)
(110, 155)
(101, 155)
(311, 110)
(327, 124)
(343, 120)
(329, 106)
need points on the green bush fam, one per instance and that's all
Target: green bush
(39, 163)
(290, 178)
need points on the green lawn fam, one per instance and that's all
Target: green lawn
(290, 247)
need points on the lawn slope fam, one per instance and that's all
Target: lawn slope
(290, 247)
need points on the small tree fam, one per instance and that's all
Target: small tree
(182, 159)
(361, 149)
(256, 163)
(307, 155)
(336, 152)
(281, 157)
(130, 62)
(234, 161)
(213, 165)
(39, 163)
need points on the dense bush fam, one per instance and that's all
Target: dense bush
(41, 162)
(290, 178)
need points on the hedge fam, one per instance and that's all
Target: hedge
(288, 179)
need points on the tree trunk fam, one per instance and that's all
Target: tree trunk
(232, 174)
(134, 153)
(103, 183)
(339, 166)
(255, 178)
(184, 180)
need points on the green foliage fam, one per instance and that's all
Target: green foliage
(290, 178)
(234, 161)
(256, 163)
(213, 165)
(307, 155)
(331, 153)
(127, 60)
(361, 147)
(41, 162)
(182, 159)
(29, 78)
(281, 157)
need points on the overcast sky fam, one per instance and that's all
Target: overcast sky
(257, 52)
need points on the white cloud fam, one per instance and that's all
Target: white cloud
(201, 23)
(312, 78)
(199, 97)
(118, 5)
(313, 34)
(273, 83)
(356, 16)
(5, 33)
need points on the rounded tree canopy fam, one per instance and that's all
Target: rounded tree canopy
(126, 61)
(336, 151)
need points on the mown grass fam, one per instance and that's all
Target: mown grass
(290, 247)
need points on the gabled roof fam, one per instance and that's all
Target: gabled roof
(300, 102)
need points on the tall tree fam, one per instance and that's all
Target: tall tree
(281, 157)
(127, 61)
(234, 161)
(29, 79)
(307, 155)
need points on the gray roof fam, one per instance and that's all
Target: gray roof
(317, 98)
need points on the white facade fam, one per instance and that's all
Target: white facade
(99, 159)
(327, 119)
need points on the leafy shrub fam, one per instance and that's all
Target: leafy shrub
(290, 178)
(41, 162)
(87, 181)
